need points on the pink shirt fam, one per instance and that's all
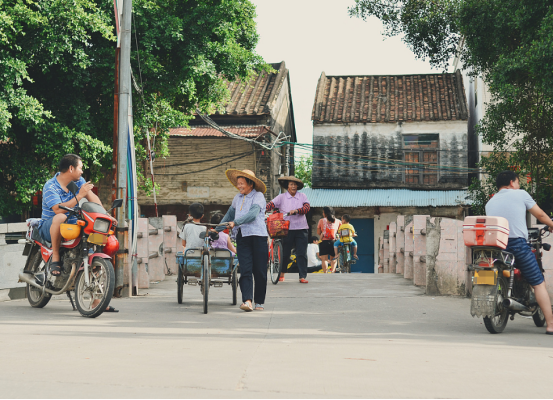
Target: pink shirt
(285, 202)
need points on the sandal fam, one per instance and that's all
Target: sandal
(111, 309)
(246, 307)
(259, 307)
(55, 266)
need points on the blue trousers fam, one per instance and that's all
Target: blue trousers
(525, 260)
(253, 255)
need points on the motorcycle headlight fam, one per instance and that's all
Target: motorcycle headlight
(101, 225)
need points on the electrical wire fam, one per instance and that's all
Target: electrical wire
(281, 137)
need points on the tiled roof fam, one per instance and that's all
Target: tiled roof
(385, 198)
(389, 98)
(257, 95)
(205, 130)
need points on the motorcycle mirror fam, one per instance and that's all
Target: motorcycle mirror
(117, 203)
(72, 187)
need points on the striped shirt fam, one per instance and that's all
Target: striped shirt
(53, 194)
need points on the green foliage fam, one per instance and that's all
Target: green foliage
(57, 61)
(303, 169)
(510, 44)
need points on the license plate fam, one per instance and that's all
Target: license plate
(482, 277)
(98, 238)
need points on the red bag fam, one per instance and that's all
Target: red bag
(277, 226)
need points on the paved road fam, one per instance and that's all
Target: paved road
(339, 336)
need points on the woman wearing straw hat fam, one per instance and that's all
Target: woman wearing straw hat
(246, 217)
(297, 205)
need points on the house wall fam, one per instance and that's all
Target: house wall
(382, 142)
(202, 177)
(383, 216)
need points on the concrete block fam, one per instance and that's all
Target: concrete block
(392, 262)
(419, 250)
(3, 228)
(142, 254)
(11, 263)
(156, 262)
(170, 236)
(17, 227)
(408, 268)
(386, 258)
(400, 244)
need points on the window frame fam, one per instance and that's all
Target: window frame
(421, 152)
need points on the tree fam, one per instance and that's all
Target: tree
(510, 44)
(57, 79)
(303, 169)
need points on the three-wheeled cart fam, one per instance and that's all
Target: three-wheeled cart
(206, 267)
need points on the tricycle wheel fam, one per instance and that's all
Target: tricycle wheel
(275, 261)
(234, 282)
(205, 281)
(180, 285)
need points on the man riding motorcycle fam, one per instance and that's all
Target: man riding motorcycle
(55, 194)
(511, 202)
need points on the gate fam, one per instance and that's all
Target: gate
(365, 245)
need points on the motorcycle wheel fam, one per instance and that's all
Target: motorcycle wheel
(539, 318)
(102, 283)
(35, 296)
(498, 323)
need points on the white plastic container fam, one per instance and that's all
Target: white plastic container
(486, 231)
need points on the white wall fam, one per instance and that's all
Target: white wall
(445, 128)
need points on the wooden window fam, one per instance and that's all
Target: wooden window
(421, 158)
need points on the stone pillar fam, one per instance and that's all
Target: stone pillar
(380, 255)
(408, 249)
(386, 264)
(400, 244)
(419, 250)
(392, 234)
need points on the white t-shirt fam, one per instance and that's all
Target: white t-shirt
(312, 260)
(191, 233)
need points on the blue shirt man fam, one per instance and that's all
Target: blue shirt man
(55, 194)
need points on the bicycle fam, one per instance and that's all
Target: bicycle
(345, 259)
(274, 263)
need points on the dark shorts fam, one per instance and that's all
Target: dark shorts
(326, 248)
(44, 229)
(525, 260)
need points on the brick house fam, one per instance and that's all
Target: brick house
(389, 145)
(259, 109)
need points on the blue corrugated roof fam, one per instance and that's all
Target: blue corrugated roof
(385, 198)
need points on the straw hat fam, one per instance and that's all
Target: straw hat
(234, 174)
(283, 181)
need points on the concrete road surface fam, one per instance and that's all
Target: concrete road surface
(338, 336)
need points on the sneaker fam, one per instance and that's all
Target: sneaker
(303, 280)
(281, 279)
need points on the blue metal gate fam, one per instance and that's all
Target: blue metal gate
(365, 245)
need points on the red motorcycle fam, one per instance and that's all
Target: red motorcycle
(85, 252)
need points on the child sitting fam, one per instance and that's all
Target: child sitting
(346, 226)
(190, 234)
(224, 241)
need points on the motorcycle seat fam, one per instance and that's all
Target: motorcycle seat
(36, 236)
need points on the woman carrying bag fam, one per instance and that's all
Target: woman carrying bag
(327, 228)
(297, 205)
(246, 218)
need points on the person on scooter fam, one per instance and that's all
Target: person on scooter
(511, 202)
(55, 194)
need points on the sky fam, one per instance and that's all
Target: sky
(313, 36)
